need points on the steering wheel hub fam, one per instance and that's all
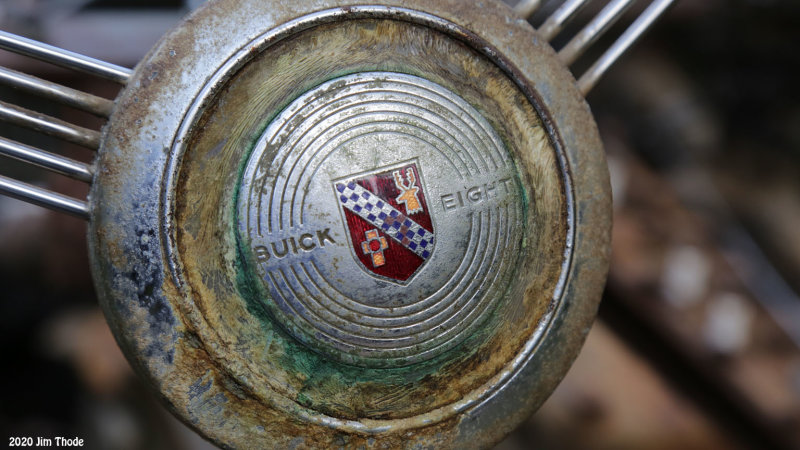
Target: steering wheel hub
(385, 224)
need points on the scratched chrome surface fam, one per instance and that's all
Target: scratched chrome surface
(179, 282)
(357, 124)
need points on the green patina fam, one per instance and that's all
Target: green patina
(320, 374)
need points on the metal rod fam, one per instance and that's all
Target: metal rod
(526, 8)
(591, 32)
(560, 17)
(49, 125)
(46, 160)
(98, 106)
(43, 197)
(64, 58)
(639, 26)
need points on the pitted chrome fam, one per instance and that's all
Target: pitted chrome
(362, 123)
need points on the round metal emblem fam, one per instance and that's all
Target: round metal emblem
(382, 213)
(351, 225)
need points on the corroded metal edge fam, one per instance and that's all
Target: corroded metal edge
(129, 266)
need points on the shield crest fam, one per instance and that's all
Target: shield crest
(387, 216)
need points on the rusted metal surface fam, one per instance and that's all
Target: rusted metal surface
(180, 294)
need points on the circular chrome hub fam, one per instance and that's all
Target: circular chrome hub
(379, 226)
(382, 213)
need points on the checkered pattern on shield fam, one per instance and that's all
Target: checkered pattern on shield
(387, 216)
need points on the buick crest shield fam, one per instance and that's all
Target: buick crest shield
(386, 213)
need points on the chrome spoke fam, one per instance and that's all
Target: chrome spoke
(561, 17)
(44, 124)
(46, 160)
(597, 26)
(642, 23)
(98, 106)
(594, 30)
(43, 197)
(64, 58)
(49, 126)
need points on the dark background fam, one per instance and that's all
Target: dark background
(698, 342)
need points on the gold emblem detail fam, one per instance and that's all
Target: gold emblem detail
(408, 193)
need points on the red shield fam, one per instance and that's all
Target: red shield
(387, 215)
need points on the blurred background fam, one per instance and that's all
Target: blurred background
(697, 345)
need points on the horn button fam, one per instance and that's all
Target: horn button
(352, 226)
